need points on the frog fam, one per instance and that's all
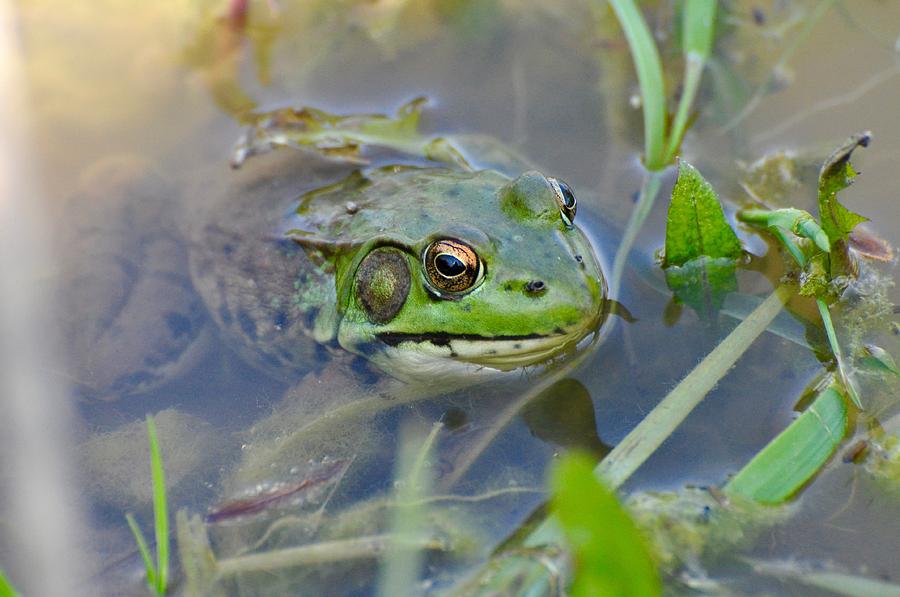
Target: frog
(425, 271)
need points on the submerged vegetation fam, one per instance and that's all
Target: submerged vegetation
(157, 571)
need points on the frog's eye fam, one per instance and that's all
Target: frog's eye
(452, 266)
(565, 198)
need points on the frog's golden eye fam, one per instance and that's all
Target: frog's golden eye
(565, 198)
(452, 266)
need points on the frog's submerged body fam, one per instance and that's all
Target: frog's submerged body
(426, 272)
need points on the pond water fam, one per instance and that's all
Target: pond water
(133, 111)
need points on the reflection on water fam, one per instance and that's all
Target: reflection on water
(137, 110)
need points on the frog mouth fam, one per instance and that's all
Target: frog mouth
(497, 352)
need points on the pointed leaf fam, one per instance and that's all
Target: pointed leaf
(696, 226)
(836, 175)
(878, 359)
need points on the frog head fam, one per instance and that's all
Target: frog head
(439, 272)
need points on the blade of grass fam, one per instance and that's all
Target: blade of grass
(646, 199)
(160, 510)
(149, 567)
(648, 66)
(403, 560)
(698, 26)
(790, 460)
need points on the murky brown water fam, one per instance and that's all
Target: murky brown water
(143, 101)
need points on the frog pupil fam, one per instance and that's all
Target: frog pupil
(449, 266)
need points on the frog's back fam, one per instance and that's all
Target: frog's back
(263, 291)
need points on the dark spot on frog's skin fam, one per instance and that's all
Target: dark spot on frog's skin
(280, 320)
(248, 326)
(227, 249)
(309, 319)
(491, 351)
(579, 259)
(508, 286)
(517, 346)
(440, 341)
(224, 314)
(635, 196)
(361, 367)
(179, 325)
(454, 418)
(453, 192)
(559, 331)
(467, 308)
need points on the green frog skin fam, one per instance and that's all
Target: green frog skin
(428, 273)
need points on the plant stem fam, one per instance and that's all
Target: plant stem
(649, 191)
(838, 356)
(699, 18)
(342, 550)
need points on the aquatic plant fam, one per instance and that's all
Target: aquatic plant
(157, 572)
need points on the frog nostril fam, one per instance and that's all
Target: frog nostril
(535, 286)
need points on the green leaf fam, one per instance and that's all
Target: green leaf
(876, 358)
(703, 284)
(696, 225)
(796, 454)
(836, 175)
(342, 137)
(611, 558)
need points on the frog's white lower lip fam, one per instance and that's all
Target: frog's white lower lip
(502, 353)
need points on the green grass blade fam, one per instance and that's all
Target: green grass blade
(160, 509)
(650, 78)
(143, 549)
(698, 28)
(791, 459)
